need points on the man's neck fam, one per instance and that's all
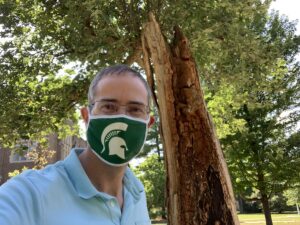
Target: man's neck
(105, 178)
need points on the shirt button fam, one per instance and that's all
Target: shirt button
(112, 204)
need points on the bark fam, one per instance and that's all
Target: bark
(266, 208)
(264, 197)
(198, 184)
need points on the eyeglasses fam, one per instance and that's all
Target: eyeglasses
(135, 110)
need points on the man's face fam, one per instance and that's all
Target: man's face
(117, 139)
(121, 89)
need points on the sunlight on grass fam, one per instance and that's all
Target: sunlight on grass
(259, 219)
(278, 219)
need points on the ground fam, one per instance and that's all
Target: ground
(258, 219)
(278, 219)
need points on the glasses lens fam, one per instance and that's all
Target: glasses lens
(113, 108)
(136, 110)
(107, 108)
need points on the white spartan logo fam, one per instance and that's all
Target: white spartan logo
(116, 145)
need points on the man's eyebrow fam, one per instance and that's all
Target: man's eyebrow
(136, 102)
(115, 100)
(107, 100)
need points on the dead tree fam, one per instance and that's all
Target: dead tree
(199, 190)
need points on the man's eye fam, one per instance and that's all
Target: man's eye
(135, 109)
(107, 107)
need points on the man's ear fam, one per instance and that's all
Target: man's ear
(85, 114)
(151, 121)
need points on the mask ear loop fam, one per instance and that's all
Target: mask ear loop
(148, 120)
(90, 107)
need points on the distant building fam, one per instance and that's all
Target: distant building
(68, 143)
(10, 160)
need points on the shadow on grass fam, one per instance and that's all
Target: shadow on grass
(159, 222)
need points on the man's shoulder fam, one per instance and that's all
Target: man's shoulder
(53, 173)
(49, 174)
(30, 191)
(35, 179)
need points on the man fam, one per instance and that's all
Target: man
(91, 186)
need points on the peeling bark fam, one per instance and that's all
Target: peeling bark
(198, 184)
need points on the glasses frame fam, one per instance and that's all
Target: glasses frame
(147, 107)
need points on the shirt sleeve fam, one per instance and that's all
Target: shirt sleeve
(19, 203)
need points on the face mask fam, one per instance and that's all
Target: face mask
(116, 139)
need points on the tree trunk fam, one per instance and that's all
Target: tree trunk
(241, 204)
(198, 184)
(298, 211)
(266, 208)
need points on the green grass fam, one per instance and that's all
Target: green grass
(278, 219)
(259, 219)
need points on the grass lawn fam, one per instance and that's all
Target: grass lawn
(259, 219)
(278, 219)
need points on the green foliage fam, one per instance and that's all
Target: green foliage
(265, 154)
(262, 155)
(279, 203)
(41, 37)
(41, 157)
(293, 195)
(152, 174)
(153, 143)
(16, 172)
(223, 106)
(36, 109)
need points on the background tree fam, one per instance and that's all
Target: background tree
(293, 196)
(293, 192)
(152, 173)
(278, 203)
(262, 156)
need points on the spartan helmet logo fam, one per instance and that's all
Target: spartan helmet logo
(116, 145)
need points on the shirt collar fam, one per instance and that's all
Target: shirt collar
(133, 185)
(84, 186)
(78, 177)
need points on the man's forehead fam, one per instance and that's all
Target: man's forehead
(119, 76)
(121, 86)
(119, 79)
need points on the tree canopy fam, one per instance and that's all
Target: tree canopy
(41, 37)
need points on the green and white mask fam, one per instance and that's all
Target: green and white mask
(116, 139)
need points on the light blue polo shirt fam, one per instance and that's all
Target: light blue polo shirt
(62, 194)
